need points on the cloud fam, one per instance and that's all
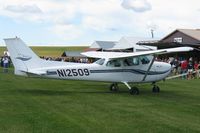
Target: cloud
(136, 5)
(66, 32)
(79, 20)
(22, 12)
(94, 23)
(23, 9)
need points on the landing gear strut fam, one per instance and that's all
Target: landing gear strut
(114, 87)
(133, 90)
(155, 88)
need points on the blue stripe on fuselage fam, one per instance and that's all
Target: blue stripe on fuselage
(135, 71)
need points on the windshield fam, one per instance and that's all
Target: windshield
(100, 61)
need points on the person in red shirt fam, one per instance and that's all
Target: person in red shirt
(184, 66)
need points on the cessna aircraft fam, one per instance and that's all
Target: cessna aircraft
(114, 67)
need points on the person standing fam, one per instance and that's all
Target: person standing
(190, 68)
(184, 66)
(198, 72)
(5, 64)
(196, 69)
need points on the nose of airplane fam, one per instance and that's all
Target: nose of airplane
(167, 66)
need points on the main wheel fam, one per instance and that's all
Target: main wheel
(114, 87)
(134, 91)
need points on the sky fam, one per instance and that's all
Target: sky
(81, 22)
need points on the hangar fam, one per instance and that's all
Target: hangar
(72, 54)
(178, 38)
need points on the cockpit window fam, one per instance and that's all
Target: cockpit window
(114, 63)
(144, 60)
(131, 61)
(100, 61)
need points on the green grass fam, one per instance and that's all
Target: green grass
(50, 51)
(2, 49)
(34, 105)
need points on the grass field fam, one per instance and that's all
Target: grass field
(34, 105)
(50, 51)
(2, 49)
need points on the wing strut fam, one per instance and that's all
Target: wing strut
(127, 85)
(152, 61)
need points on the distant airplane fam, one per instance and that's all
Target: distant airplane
(114, 67)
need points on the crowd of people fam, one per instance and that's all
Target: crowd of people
(67, 59)
(5, 61)
(186, 68)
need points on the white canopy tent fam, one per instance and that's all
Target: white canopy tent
(123, 44)
(132, 42)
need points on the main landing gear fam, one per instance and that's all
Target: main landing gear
(114, 87)
(133, 90)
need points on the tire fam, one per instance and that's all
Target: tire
(114, 87)
(158, 89)
(155, 89)
(134, 91)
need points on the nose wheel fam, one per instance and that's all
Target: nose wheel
(155, 88)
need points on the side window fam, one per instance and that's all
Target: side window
(131, 61)
(135, 61)
(144, 60)
(114, 63)
(128, 62)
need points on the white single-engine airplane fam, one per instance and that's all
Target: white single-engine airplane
(114, 67)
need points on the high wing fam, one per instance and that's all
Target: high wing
(117, 55)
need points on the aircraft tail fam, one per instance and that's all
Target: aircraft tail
(23, 58)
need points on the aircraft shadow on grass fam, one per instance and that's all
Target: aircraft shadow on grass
(165, 95)
(64, 92)
(61, 93)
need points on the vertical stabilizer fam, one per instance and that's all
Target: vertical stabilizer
(23, 58)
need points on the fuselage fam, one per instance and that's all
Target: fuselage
(110, 71)
(113, 67)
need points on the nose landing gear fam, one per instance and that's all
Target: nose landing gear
(155, 88)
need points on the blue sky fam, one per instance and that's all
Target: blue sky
(80, 22)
